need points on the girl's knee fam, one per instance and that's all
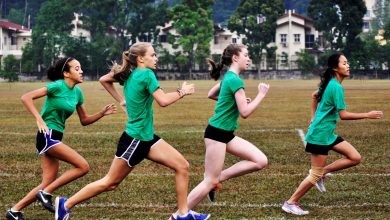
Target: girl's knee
(183, 166)
(356, 159)
(84, 167)
(262, 162)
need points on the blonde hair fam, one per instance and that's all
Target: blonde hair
(129, 59)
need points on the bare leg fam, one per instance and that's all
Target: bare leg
(49, 173)
(118, 171)
(65, 153)
(316, 161)
(253, 159)
(352, 157)
(168, 156)
(214, 160)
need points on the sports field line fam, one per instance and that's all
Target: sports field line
(302, 136)
(223, 204)
(4, 174)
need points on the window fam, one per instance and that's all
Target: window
(215, 39)
(297, 38)
(234, 40)
(309, 41)
(226, 37)
(163, 38)
(366, 25)
(283, 38)
(5, 41)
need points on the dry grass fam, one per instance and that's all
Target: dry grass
(148, 193)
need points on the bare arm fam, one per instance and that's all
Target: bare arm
(314, 104)
(86, 119)
(345, 115)
(164, 99)
(107, 82)
(27, 100)
(247, 108)
(214, 92)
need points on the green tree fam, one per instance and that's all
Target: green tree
(16, 16)
(10, 68)
(386, 28)
(192, 21)
(256, 20)
(306, 62)
(51, 31)
(339, 20)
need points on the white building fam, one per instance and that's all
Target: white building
(13, 38)
(295, 33)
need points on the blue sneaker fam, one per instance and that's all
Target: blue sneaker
(191, 215)
(61, 213)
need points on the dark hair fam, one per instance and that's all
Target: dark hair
(226, 59)
(56, 72)
(129, 61)
(333, 62)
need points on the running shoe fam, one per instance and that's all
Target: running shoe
(191, 215)
(45, 199)
(14, 215)
(294, 209)
(61, 213)
(211, 195)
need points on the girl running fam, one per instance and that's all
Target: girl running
(219, 135)
(328, 104)
(138, 141)
(63, 96)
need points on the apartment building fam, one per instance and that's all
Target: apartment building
(13, 37)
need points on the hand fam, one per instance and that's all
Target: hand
(42, 127)
(263, 88)
(109, 109)
(123, 105)
(187, 89)
(375, 114)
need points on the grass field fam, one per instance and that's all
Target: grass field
(362, 192)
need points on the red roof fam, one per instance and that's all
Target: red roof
(13, 26)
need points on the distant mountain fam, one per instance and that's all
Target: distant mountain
(222, 9)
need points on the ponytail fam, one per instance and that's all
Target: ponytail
(333, 62)
(129, 61)
(215, 71)
(56, 71)
(226, 59)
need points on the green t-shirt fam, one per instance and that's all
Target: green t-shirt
(138, 90)
(60, 103)
(322, 128)
(226, 110)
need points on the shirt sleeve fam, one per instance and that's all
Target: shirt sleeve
(236, 84)
(339, 99)
(80, 97)
(52, 87)
(152, 84)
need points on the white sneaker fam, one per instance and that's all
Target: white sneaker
(294, 209)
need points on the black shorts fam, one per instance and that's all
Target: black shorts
(218, 134)
(45, 141)
(322, 149)
(133, 150)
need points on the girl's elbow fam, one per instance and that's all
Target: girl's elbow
(244, 115)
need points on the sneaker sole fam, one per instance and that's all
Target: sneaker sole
(57, 203)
